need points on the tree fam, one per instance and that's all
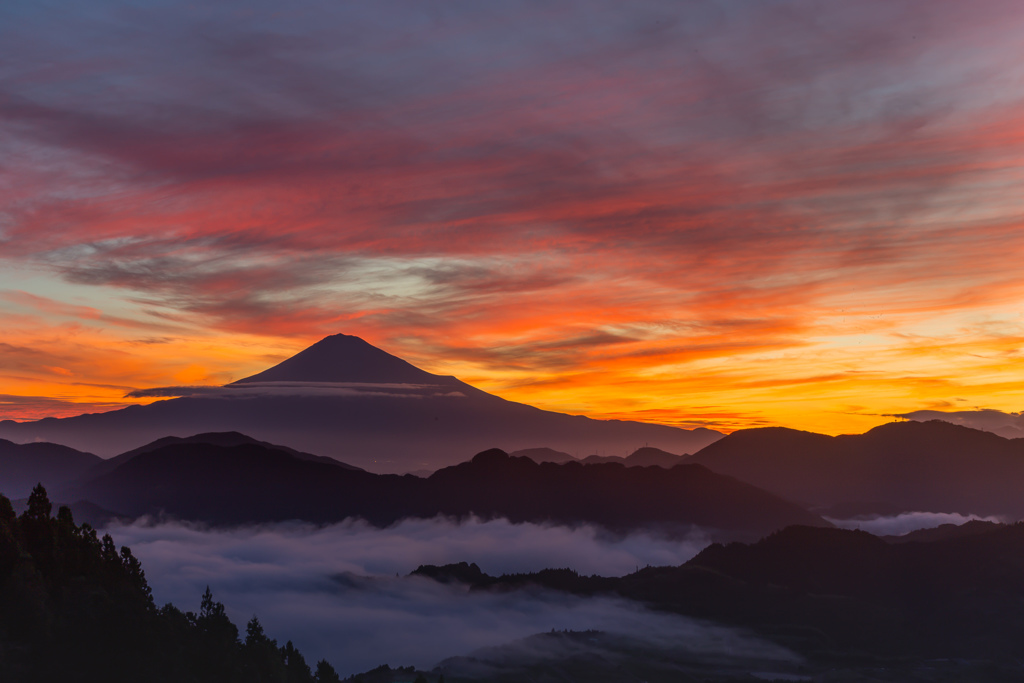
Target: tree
(7, 514)
(39, 505)
(263, 661)
(325, 673)
(296, 669)
(136, 576)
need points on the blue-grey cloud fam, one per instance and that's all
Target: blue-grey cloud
(333, 590)
(905, 522)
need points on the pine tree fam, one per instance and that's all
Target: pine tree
(325, 673)
(39, 505)
(296, 669)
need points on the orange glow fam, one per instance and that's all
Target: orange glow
(751, 225)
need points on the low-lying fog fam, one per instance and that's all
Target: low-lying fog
(904, 523)
(342, 593)
(334, 592)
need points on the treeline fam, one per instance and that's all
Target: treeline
(75, 608)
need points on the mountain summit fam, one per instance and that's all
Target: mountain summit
(349, 400)
(344, 358)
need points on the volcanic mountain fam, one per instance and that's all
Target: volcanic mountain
(349, 400)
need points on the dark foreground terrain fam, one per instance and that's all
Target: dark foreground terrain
(74, 608)
(823, 604)
(851, 605)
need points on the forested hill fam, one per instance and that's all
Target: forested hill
(74, 608)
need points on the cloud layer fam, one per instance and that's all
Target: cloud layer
(720, 210)
(341, 592)
(905, 522)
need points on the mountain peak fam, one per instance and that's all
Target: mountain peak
(346, 358)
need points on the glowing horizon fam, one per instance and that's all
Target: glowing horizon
(726, 216)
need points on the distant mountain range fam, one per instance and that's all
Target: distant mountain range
(899, 467)
(239, 480)
(641, 457)
(349, 400)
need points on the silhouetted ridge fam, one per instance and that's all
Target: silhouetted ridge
(346, 358)
(897, 467)
(543, 455)
(647, 456)
(253, 483)
(492, 457)
(220, 439)
(22, 466)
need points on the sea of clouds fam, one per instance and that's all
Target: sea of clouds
(342, 592)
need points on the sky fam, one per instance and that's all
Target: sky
(718, 213)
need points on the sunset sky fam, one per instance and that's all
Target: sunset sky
(726, 214)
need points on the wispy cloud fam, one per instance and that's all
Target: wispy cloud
(516, 192)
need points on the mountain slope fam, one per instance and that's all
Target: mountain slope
(346, 399)
(215, 438)
(902, 466)
(22, 466)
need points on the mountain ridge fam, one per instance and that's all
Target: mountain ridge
(933, 466)
(250, 483)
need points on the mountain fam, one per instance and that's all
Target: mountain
(641, 457)
(898, 467)
(343, 358)
(62, 469)
(540, 455)
(346, 399)
(22, 466)
(214, 438)
(946, 531)
(252, 483)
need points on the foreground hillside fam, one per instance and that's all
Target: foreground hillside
(854, 608)
(74, 608)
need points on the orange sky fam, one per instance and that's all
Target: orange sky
(733, 215)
